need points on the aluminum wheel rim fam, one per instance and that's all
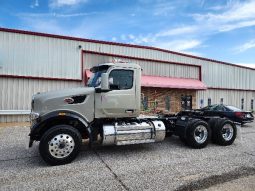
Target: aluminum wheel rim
(227, 132)
(61, 146)
(200, 134)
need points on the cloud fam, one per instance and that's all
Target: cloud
(230, 16)
(34, 4)
(75, 14)
(114, 39)
(233, 15)
(177, 31)
(60, 15)
(179, 45)
(250, 65)
(217, 8)
(47, 26)
(62, 3)
(163, 9)
(221, 7)
(237, 12)
(230, 27)
(246, 46)
(139, 39)
(55, 26)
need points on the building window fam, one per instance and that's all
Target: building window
(252, 106)
(242, 103)
(167, 103)
(221, 101)
(209, 102)
(186, 102)
(145, 103)
(201, 103)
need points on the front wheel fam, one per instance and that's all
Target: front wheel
(60, 145)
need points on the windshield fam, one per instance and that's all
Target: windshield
(210, 107)
(233, 108)
(95, 79)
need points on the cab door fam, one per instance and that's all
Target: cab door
(120, 101)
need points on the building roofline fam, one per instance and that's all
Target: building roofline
(116, 43)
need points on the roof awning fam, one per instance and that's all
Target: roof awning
(169, 82)
(88, 74)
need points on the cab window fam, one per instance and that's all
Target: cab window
(121, 79)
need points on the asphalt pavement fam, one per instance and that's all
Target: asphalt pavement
(168, 165)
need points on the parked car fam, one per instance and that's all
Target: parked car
(233, 113)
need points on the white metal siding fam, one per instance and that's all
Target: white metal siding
(149, 67)
(16, 93)
(28, 55)
(213, 74)
(230, 97)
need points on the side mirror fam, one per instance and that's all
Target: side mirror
(104, 81)
(110, 81)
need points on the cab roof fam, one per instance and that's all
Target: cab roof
(105, 66)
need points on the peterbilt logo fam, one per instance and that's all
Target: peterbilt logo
(69, 100)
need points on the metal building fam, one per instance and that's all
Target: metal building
(33, 62)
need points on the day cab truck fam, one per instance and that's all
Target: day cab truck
(107, 112)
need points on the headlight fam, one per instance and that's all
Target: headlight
(34, 116)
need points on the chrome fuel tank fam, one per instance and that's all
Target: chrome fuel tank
(122, 133)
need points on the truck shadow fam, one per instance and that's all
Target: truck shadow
(169, 142)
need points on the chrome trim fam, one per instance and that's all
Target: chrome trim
(200, 134)
(15, 112)
(160, 130)
(227, 132)
(124, 133)
(109, 135)
(61, 146)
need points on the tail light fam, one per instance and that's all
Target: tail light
(240, 114)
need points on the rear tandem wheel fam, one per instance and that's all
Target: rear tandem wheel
(198, 135)
(224, 132)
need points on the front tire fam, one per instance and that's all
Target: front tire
(60, 145)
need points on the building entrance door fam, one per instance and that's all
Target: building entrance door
(186, 102)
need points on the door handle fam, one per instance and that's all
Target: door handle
(129, 111)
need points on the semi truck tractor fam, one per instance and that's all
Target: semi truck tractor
(107, 112)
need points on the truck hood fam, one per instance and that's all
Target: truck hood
(50, 101)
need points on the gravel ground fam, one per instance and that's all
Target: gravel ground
(168, 165)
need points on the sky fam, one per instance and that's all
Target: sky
(218, 29)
